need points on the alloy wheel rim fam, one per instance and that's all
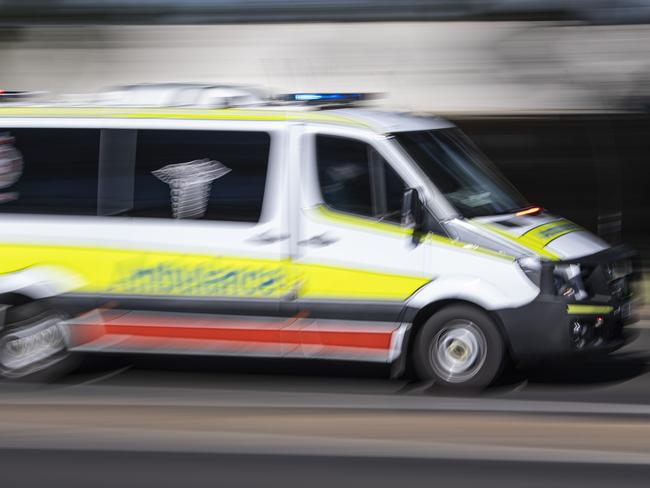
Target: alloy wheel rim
(458, 351)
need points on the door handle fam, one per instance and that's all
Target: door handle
(267, 238)
(320, 240)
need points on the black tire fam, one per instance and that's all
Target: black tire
(451, 339)
(20, 317)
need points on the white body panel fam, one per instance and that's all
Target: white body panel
(490, 282)
(577, 244)
(146, 238)
(454, 272)
(351, 246)
(39, 282)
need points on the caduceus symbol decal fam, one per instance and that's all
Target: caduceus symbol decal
(190, 185)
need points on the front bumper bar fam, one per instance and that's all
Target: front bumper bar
(552, 325)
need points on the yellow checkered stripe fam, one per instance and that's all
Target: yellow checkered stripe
(538, 238)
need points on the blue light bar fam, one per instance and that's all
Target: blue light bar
(312, 97)
(324, 98)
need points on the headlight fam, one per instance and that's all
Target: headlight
(533, 269)
(568, 281)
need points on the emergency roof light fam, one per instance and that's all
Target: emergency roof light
(323, 98)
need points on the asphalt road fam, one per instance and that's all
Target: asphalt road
(169, 421)
(109, 469)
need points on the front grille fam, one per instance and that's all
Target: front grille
(594, 331)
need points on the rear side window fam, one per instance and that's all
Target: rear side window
(214, 175)
(49, 171)
(355, 178)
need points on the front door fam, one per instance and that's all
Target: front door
(356, 263)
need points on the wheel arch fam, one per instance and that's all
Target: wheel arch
(15, 298)
(38, 282)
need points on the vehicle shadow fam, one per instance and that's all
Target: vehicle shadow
(585, 371)
(592, 369)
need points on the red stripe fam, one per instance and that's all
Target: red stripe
(137, 324)
(370, 340)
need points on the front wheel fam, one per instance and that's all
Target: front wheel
(459, 346)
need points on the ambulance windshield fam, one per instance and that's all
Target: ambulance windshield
(461, 172)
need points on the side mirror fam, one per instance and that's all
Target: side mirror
(412, 212)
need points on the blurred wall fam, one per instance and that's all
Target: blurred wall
(473, 67)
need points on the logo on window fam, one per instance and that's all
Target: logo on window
(11, 166)
(190, 184)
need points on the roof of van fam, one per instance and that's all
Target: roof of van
(375, 120)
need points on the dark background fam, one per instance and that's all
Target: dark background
(592, 169)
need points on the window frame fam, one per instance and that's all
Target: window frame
(130, 177)
(305, 173)
(9, 124)
(376, 173)
(274, 205)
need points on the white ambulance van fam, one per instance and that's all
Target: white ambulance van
(298, 230)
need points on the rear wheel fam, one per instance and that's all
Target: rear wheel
(459, 346)
(33, 342)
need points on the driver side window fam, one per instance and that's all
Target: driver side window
(356, 179)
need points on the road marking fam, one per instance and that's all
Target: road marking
(298, 445)
(101, 378)
(91, 394)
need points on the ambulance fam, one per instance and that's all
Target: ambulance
(303, 226)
